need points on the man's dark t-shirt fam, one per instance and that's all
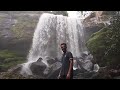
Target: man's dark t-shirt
(66, 63)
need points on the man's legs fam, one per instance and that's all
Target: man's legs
(71, 76)
(63, 77)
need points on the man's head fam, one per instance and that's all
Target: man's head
(64, 47)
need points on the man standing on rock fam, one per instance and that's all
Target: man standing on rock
(66, 71)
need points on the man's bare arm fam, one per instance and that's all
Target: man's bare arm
(71, 66)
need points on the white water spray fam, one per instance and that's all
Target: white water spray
(51, 31)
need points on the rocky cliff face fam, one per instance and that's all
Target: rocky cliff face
(17, 29)
(16, 32)
(104, 46)
(96, 21)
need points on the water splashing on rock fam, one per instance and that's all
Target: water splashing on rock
(51, 31)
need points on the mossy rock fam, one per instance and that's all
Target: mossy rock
(105, 46)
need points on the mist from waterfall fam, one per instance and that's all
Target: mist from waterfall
(51, 31)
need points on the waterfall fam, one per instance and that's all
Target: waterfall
(51, 31)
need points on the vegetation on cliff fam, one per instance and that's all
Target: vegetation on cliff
(9, 59)
(105, 45)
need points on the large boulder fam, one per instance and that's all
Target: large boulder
(105, 47)
(47, 71)
(53, 70)
(38, 68)
(50, 61)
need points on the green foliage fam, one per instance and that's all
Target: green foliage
(105, 45)
(9, 59)
(6, 54)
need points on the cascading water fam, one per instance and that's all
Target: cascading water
(51, 31)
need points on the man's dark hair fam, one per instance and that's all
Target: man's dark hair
(64, 44)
